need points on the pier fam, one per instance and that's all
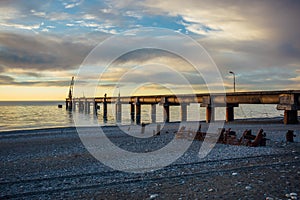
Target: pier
(287, 100)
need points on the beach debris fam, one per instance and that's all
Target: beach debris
(293, 194)
(258, 140)
(211, 190)
(269, 198)
(225, 136)
(234, 174)
(248, 187)
(158, 127)
(289, 136)
(143, 128)
(153, 196)
(230, 137)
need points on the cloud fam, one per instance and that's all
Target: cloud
(5, 80)
(8, 80)
(73, 3)
(256, 39)
(32, 27)
(41, 52)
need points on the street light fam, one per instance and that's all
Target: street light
(231, 72)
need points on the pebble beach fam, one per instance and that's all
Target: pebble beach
(54, 164)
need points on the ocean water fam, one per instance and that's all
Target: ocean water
(33, 115)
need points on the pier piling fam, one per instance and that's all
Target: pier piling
(210, 114)
(138, 113)
(184, 112)
(153, 113)
(132, 112)
(166, 113)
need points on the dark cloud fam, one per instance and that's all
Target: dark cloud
(1, 69)
(142, 55)
(41, 53)
(8, 80)
(5, 80)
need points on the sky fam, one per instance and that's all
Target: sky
(44, 43)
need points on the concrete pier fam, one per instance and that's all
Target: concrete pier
(287, 100)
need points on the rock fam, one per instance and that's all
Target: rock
(269, 198)
(248, 187)
(153, 196)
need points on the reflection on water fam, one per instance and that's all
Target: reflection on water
(30, 115)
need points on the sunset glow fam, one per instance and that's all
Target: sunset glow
(42, 45)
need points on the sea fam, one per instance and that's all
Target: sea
(24, 115)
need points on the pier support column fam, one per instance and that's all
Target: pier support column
(166, 113)
(132, 112)
(87, 107)
(105, 111)
(74, 105)
(229, 113)
(183, 112)
(69, 104)
(290, 117)
(138, 113)
(210, 114)
(81, 106)
(290, 103)
(153, 113)
(118, 112)
(95, 108)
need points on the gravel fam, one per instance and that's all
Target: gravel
(54, 163)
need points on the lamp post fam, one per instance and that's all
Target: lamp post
(231, 72)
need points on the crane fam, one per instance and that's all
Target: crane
(71, 88)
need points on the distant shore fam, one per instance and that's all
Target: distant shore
(53, 163)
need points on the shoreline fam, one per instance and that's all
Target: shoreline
(273, 120)
(53, 163)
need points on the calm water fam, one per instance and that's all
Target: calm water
(31, 115)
